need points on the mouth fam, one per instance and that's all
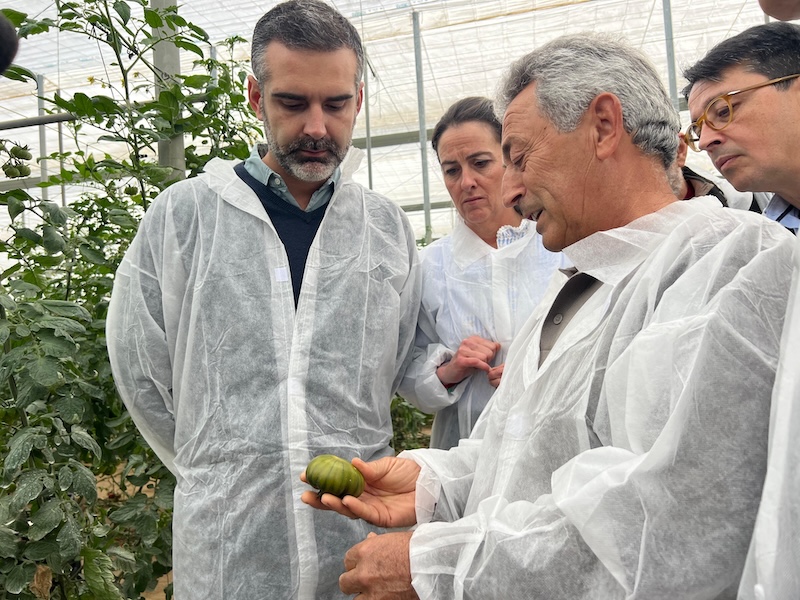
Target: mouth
(722, 161)
(534, 216)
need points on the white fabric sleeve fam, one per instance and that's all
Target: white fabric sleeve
(667, 515)
(774, 554)
(137, 340)
(445, 479)
(409, 309)
(421, 386)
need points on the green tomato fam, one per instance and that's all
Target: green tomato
(333, 475)
(20, 152)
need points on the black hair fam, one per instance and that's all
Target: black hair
(304, 25)
(467, 110)
(772, 50)
(8, 43)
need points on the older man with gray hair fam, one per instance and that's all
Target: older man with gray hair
(623, 453)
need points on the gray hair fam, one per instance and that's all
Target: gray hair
(573, 70)
(304, 25)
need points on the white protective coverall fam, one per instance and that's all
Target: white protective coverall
(653, 494)
(771, 572)
(236, 391)
(470, 288)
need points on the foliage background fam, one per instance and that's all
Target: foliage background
(64, 433)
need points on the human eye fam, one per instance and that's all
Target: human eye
(482, 163)
(292, 105)
(719, 112)
(450, 172)
(336, 106)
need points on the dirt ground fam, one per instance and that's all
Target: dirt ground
(158, 593)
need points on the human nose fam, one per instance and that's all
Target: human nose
(708, 137)
(468, 180)
(315, 123)
(512, 189)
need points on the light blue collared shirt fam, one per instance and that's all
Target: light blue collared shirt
(262, 173)
(777, 207)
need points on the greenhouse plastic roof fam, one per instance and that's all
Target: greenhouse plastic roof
(465, 47)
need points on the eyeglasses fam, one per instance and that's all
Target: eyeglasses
(719, 112)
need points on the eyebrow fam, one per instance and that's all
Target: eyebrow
(301, 98)
(506, 148)
(471, 156)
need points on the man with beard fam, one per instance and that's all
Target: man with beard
(262, 316)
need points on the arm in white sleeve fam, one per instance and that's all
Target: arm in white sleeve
(665, 510)
(421, 385)
(409, 309)
(137, 342)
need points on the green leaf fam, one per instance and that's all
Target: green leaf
(39, 551)
(189, 46)
(99, 573)
(46, 519)
(65, 308)
(17, 73)
(28, 289)
(19, 449)
(19, 577)
(57, 215)
(199, 31)
(71, 409)
(5, 331)
(123, 10)
(197, 81)
(29, 486)
(64, 478)
(124, 559)
(8, 543)
(5, 300)
(83, 105)
(45, 371)
(96, 257)
(28, 234)
(16, 17)
(69, 540)
(130, 512)
(81, 437)
(52, 241)
(15, 207)
(84, 482)
(121, 217)
(152, 18)
(62, 326)
(55, 345)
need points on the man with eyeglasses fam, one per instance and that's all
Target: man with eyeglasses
(744, 102)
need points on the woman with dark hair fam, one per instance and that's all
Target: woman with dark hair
(480, 284)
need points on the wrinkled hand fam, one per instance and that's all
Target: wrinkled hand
(389, 493)
(495, 374)
(474, 354)
(379, 568)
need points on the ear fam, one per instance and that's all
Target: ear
(605, 118)
(359, 97)
(683, 149)
(254, 96)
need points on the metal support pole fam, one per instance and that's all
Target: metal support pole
(366, 117)
(673, 80)
(423, 137)
(166, 58)
(42, 135)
